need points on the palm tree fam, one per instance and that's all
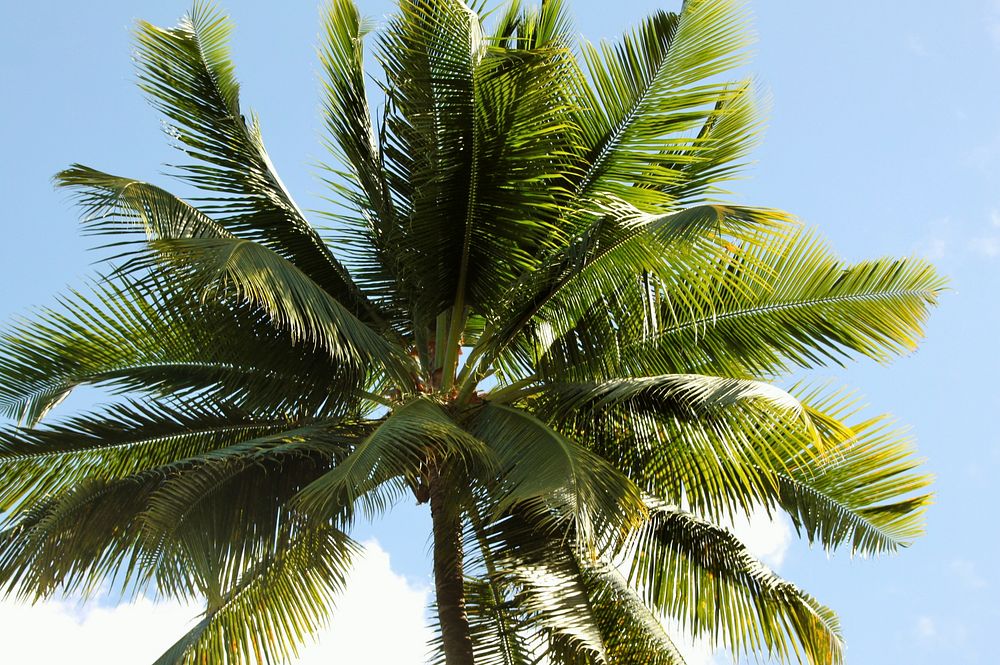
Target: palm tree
(548, 212)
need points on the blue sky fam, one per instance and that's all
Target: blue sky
(884, 133)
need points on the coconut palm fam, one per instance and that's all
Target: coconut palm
(531, 310)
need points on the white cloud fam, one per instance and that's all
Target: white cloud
(947, 634)
(916, 45)
(988, 246)
(993, 22)
(64, 632)
(947, 239)
(380, 619)
(926, 628)
(696, 651)
(967, 574)
(937, 244)
(768, 538)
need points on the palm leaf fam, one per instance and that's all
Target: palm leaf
(275, 605)
(149, 338)
(188, 75)
(213, 258)
(412, 438)
(792, 304)
(619, 248)
(865, 491)
(704, 577)
(540, 467)
(121, 441)
(650, 91)
(429, 52)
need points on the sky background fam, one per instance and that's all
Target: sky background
(885, 134)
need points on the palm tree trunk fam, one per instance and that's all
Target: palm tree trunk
(456, 636)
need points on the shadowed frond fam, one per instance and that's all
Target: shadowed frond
(120, 441)
(562, 480)
(149, 338)
(398, 452)
(429, 52)
(220, 268)
(274, 607)
(205, 257)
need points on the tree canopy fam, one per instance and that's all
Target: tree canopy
(533, 309)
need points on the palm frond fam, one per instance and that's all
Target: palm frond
(70, 542)
(716, 444)
(359, 177)
(574, 488)
(188, 76)
(399, 452)
(792, 304)
(210, 259)
(533, 27)
(865, 491)
(705, 578)
(274, 607)
(497, 628)
(549, 589)
(632, 633)
(429, 52)
(219, 268)
(620, 247)
(121, 441)
(650, 95)
(148, 338)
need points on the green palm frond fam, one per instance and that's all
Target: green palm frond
(210, 257)
(358, 177)
(704, 577)
(188, 76)
(865, 491)
(620, 247)
(534, 26)
(792, 304)
(649, 93)
(429, 52)
(242, 269)
(498, 629)
(398, 453)
(632, 633)
(148, 338)
(130, 515)
(217, 501)
(561, 479)
(549, 588)
(274, 606)
(71, 541)
(581, 612)
(718, 444)
(727, 136)
(119, 442)
(189, 481)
